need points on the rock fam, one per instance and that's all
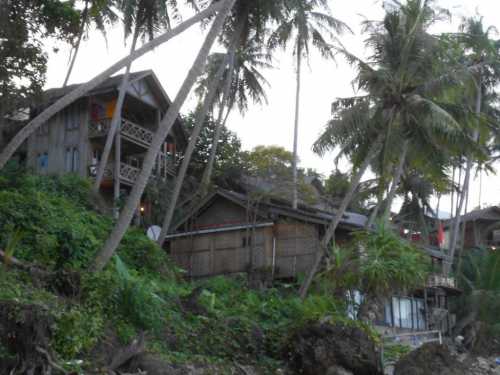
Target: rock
(336, 370)
(318, 348)
(430, 359)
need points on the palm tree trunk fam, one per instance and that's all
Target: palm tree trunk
(78, 42)
(207, 173)
(395, 182)
(81, 90)
(330, 232)
(452, 210)
(456, 224)
(296, 131)
(199, 122)
(166, 124)
(115, 123)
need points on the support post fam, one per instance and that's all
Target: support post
(116, 174)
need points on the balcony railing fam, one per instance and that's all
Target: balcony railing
(128, 173)
(436, 280)
(128, 130)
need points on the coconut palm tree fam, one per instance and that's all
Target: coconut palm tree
(164, 128)
(81, 90)
(245, 83)
(482, 51)
(95, 12)
(405, 104)
(141, 18)
(242, 35)
(306, 27)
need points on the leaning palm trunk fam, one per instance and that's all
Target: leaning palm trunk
(295, 198)
(219, 125)
(78, 42)
(81, 90)
(456, 224)
(199, 121)
(115, 122)
(330, 232)
(164, 127)
(395, 182)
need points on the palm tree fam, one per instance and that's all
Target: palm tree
(480, 50)
(140, 18)
(244, 28)
(243, 84)
(164, 128)
(81, 90)
(306, 27)
(404, 84)
(97, 12)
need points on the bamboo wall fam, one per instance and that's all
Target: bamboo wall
(228, 252)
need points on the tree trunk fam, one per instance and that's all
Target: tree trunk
(395, 182)
(115, 122)
(330, 232)
(81, 90)
(199, 121)
(133, 200)
(296, 131)
(456, 224)
(220, 123)
(78, 42)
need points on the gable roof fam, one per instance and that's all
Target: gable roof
(491, 213)
(273, 207)
(113, 84)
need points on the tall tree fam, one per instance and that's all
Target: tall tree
(24, 26)
(140, 18)
(95, 12)
(164, 128)
(483, 53)
(81, 90)
(247, 22)
(405, 104)
(306, 26)
(245, 83)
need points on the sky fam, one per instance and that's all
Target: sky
(272, 124)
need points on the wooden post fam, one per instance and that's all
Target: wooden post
(116, 174)
(426, 309)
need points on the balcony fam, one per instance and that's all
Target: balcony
(129, 130)
(128, 173)
(441, 281)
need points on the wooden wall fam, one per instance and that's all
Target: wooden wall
(223, 252)
(54, 138)
(296, 247)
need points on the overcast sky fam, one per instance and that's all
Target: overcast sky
(272, 124)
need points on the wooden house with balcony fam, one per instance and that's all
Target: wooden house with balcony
(73, 140)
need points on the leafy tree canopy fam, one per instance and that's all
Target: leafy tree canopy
(23, 62)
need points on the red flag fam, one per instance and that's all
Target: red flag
(440, 234)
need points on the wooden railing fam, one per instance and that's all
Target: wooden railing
(437, 280)
(128, 173)
(128, 129)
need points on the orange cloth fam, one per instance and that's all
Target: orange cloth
(440, 234)
(110, 108)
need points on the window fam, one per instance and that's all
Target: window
(71, 159)
(405, 313)
(70, 118)
(42, 162)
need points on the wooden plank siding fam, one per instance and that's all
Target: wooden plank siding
(223, 252)
(296, 248)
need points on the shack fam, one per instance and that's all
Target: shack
(230, 232)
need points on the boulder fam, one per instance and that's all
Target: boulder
(321, 349)
(430, 359)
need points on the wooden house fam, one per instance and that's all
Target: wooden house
(482, 228)
(72, 141)
(230, 232)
